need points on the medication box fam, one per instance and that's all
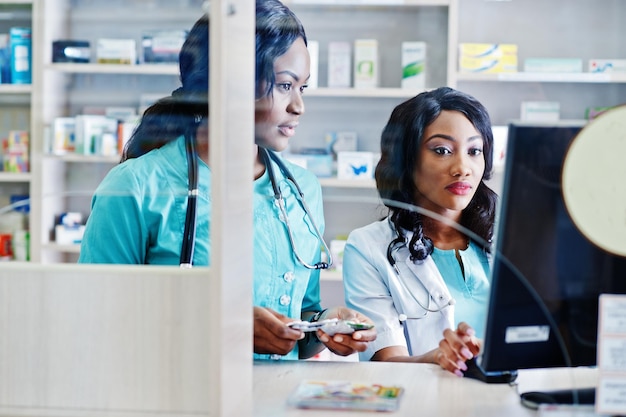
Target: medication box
(607, 65)
(71, 51)
(355, 165)
(487, 57)
(162, 46)
(21, 55)
(543, 111)
(95, 135)
(319, 163)
(16, 157)
(366, 63)
(414, 65)
(314, 53)
(64, 133)
(339, 64)
(568, 65)
(116, 51)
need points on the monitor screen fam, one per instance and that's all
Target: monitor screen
(546, 275)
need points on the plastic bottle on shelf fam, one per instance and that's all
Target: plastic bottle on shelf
(14, 235)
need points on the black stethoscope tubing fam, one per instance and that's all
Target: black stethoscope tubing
(189, 234)
(395, 245)
(269, 156)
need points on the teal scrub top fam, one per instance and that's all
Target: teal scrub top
(138, 211)
(281, 282)
(138, 215)
(470, 290)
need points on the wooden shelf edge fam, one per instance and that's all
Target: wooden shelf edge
(14, 177)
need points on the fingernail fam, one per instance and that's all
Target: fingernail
(324, 338)
(461, 365)
(466, 352)
(458, 373)
(470, 332)
(357, 336)
(338, 339)
(301, 336)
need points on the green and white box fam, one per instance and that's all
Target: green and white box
(366, 63)
(414, 65)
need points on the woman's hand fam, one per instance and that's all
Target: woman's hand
(346, 344)
(271, 335)
(456, 347)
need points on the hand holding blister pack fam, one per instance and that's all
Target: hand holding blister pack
(330, 326)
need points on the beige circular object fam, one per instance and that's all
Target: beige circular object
(594, 181)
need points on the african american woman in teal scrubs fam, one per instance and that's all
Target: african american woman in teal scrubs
(139, 210)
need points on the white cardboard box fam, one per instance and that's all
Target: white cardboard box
(414, 65)
(543, 111)
(116, 51)
(355, 165)
(366, 66)
(339, 68)
(314, 52)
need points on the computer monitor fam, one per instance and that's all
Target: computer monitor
(543, 309)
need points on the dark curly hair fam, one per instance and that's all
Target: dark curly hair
(400, 145)
(277, 28)
(178, 114)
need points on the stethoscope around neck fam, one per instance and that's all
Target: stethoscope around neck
(268, 157)
(189, 233)
(395, 245)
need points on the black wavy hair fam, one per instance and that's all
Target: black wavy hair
(178, 114)
(401, 141)
(277, 28)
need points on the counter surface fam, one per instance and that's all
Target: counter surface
(430, 391)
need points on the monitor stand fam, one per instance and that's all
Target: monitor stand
(574, 396)
(475, 371)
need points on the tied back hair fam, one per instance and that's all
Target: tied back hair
(401, 141)
(178, 114)
(277, 28)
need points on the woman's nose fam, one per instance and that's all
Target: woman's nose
(461, 166)
(296, 105)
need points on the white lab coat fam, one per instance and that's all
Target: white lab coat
(373, 288)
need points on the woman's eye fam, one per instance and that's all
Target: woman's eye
(442, 151)
(475, 151)
(304, 87)
(284, 86)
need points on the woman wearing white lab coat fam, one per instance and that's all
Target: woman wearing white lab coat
(423, 280)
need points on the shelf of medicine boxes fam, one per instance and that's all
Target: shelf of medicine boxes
(327, 6)
(580, 77)
(51, 246)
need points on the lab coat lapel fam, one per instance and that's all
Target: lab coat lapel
(428, 274)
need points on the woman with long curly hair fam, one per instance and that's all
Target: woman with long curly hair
(424, 270)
